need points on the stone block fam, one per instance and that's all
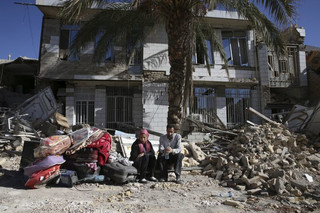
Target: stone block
(279, 186)
(274, 173)
(197, 153)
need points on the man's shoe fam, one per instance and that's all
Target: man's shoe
(179, 181)
(143, 180)
(153, 179)
(162, 180)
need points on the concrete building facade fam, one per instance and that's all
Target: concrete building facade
(112, 93)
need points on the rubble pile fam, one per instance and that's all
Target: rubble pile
(265, 159)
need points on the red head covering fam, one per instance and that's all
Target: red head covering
(144, 131)
(147, 144)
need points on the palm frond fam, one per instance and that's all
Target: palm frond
(283, 11)
(74, 11)
(200, 38)
(119, 25)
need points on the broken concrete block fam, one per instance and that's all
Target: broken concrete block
(275, 163)
(286, 133)
(208, 167)
(245, 161)
(285, 162)
(264, 193)
(300, 185)
(279, 186)
(221, 162)
(302, 139)
(314, 159)
(2, 161)
(292, 143)
(263, 176)
(270, 148)
(189, 162)
(254, 191)
(197, 153)
(233, 203)
(209, 172)
(240, 187)
(186, 152)
(219, 175)
(254, 161)
(274, 173)
(208, 160)
(252, 182)
(296, 192)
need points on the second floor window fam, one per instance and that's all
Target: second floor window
(199, 56)
(137, 55)
(235, 47)
(109, 56)
(67, 36)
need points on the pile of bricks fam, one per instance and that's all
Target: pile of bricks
(266, 159)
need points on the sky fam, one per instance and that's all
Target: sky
(21, 27)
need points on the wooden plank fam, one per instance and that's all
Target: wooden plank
(250, 109)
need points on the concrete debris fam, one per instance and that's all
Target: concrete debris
(264, 160)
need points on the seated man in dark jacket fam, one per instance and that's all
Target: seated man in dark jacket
(143, 156)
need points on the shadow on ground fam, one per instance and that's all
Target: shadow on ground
(12, 179)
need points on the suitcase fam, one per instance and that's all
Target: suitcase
(86, 170)
(67, 178)
(43, 177)
(119, 173)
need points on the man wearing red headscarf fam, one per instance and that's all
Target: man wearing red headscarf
(143, 157)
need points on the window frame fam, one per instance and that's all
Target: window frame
(122, 114)
(204, 103)
(84, 111)
(110, 56)
(68, 33)
(234, 42)
(198, 58)
(234, 97)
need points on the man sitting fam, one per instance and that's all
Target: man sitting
(170, 152)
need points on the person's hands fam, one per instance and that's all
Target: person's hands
(168, 149)
(140, 155)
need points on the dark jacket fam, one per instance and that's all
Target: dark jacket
(135, 150)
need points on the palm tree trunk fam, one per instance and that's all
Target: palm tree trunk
(179, 31)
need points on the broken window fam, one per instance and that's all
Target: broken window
(67, 36)
(293, 60)
(199, 56)
(235, 47)
(135, 52)
(109, 57)
(119, 107)
(283, 66)
(237, 100)
(272, 67)
(204, 104)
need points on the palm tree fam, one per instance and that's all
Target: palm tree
(183, 23)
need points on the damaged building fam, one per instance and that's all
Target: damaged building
(112, 93)
(17, 80)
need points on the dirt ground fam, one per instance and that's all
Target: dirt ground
(198, 194)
